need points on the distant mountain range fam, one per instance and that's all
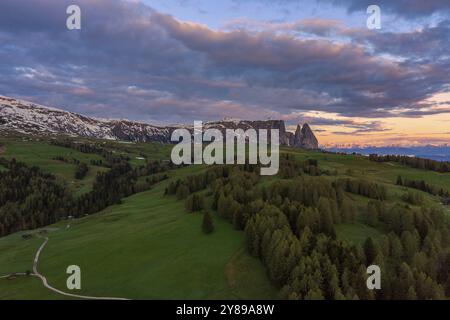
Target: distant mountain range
(30, 118)
(439, 153)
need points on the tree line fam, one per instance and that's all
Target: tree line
(364, 188)
(30, 198)
(93, 148)
(413, 162)
(423, 186)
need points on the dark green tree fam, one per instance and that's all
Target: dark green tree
(371, 250)
(207, 224)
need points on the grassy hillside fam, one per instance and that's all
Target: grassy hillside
(148, 247)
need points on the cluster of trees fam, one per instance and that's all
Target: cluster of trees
(315, 203)
(417, 247)
(119, 182)
(290, 227)
(94, 148)
(311, 167)
(418, 242)
(312, 266)
(414, 198)
(195, 203)
(281, 223)
(108, 189)
(423, 186)
(149, 182)
(81, 170)
(231, 190)
(154, 167)
(413, 257)
(183, 188)
(96, 162)
(29, 198)
(290, 168)
(232, 197)
(413, 162)
(399, 217)
(230, 187)
(194, 183)
(79, 146)
(364, 188)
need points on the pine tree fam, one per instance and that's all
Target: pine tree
(315, 294)
(182, 192)
(410, 245)
(348, 212)
(223, 206)
(327, 222)
(326, 219)
(370, 250)
(207, 224)
(238, 220)
(395, 245)
(411, 294)
(340, 196)
(251, 236)
(372, 214)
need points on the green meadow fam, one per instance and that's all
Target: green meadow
(149, 247)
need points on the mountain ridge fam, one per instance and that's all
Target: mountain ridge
(31, 118)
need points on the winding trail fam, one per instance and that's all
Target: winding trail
(45, 282)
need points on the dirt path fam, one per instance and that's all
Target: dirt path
(44, 279)
(45, 282)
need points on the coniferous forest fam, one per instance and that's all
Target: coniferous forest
(290, 227)
(30, 199)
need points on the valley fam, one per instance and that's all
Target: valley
(149, 247)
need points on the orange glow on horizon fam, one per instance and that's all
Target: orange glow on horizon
(400, 131)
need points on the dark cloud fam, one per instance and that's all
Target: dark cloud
(405, 8)
(427, 45)
(133, 62)
(357, 127)
(343, 72)
(359, 132)
(420, 113)
(409, 9)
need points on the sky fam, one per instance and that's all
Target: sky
(176, 61)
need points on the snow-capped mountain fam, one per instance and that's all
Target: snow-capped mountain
(30, 118)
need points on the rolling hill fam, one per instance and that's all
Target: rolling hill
(147, 246)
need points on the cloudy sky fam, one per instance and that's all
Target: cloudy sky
(175, 61)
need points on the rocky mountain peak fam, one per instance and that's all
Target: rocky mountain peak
(304, 138)
(309, 139)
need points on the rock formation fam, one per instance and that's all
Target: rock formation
(304, 138)
(33, 119)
